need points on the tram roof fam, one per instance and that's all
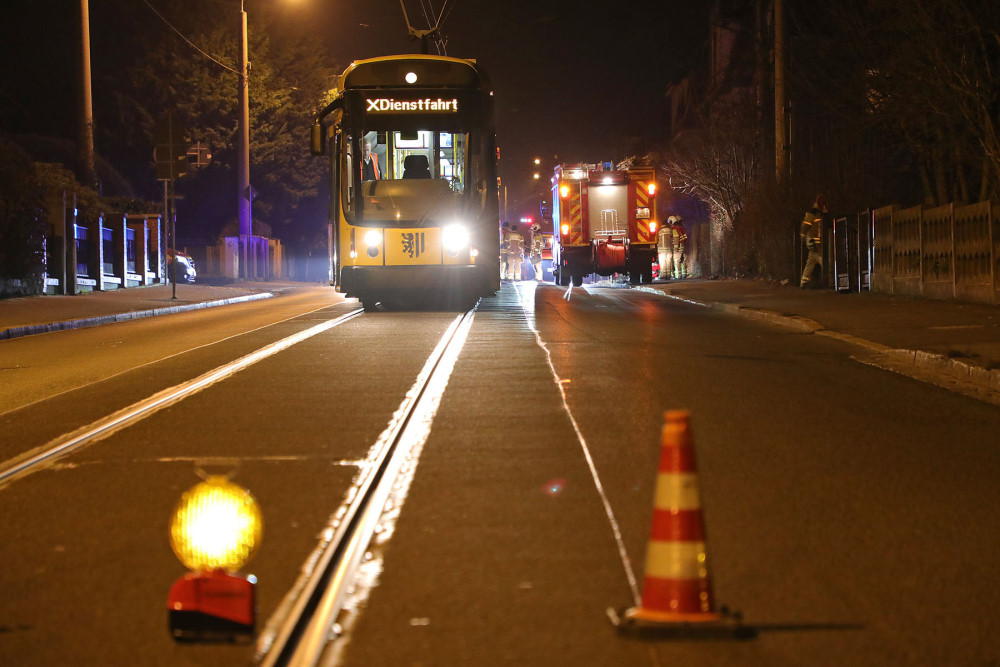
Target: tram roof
(430, 71)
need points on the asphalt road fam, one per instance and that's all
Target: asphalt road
(848, 509)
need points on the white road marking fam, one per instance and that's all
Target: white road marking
(561, 383)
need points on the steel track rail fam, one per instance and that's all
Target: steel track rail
(302, 635)
(102, 428)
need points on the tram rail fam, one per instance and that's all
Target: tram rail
(66, 444)
(300, 632)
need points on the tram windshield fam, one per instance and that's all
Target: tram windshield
(411, 177)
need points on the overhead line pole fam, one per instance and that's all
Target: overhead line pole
(86, 171)
(780, 104)
(245, 197)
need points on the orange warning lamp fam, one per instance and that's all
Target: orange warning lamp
(214, 531)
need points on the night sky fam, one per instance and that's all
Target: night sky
(574, 81)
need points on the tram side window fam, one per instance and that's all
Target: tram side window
(347, 174)
(452, 157)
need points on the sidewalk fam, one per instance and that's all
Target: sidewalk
(958, 339)
(25, 316)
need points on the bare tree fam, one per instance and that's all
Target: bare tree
(720, 160)
(929, 69)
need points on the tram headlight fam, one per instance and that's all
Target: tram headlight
(455, 238)
(373, 237)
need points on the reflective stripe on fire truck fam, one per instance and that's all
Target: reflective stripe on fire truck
(576, 218)
(643, 200)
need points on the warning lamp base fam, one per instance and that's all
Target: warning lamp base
(195, 627)
(640, 623)
(212, 607)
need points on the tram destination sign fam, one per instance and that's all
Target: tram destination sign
(390, 105)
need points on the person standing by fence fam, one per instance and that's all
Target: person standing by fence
(811, 231)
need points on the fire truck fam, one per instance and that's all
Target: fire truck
(603, 222)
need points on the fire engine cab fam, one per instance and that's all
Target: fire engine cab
(603, 222)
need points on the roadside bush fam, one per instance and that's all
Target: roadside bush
(764, 240)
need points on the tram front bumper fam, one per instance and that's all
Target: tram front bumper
(365, 281)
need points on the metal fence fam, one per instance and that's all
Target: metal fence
(111, 252)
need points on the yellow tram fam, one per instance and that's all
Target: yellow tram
(414, 197)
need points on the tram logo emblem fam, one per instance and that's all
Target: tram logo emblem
(413, 244)
(382, 104)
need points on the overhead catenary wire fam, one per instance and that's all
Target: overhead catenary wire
(440, 41)
(189, 42)
(434, 30)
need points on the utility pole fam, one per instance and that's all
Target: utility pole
(85, 170)
(780, 105)
(245, 194)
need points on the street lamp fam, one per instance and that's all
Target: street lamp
(244, 151)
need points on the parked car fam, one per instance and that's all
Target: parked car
(186, 273)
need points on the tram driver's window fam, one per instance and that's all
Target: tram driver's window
(372, 157)
(413, 153)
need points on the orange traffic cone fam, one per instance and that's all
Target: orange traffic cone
(677, 591)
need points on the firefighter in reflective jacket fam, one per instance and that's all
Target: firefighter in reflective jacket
(515, 252)
(504, 254)
(811, 232)
(537, 246)
(665, 249)
(680, 237)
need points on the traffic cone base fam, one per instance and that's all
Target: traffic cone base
(677, 590)
(660, 625)
(641, 615)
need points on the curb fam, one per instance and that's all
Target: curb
(981, 377)
(32, 329)
(792, 321)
